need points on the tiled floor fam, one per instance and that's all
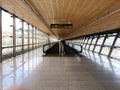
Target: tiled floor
(36, 72)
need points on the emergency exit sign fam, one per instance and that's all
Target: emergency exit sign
(63, 26)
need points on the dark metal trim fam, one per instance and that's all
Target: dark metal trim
(0, 35)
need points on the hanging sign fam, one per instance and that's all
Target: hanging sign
(63, 26)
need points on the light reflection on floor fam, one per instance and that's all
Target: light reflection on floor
(112, 65)
(77, 72)
(16, 70)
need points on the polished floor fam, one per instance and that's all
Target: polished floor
(34, 71)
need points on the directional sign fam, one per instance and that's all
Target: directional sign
(63, 26)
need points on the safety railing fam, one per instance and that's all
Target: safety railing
(77, 47)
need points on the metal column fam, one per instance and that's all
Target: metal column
(28, 37)
(22, 36)
(32, 37)
(14, 36)
(35, 37)
(0, 35)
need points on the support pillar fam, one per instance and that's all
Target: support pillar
(32, 37)
(14, 36)
(22, 36)
(0, 35)
(28, 37)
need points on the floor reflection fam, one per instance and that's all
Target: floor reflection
(15, 70)
(112, 65)
(47, 73)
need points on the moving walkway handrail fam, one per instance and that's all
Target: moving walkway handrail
(75, 46)
(48, 45)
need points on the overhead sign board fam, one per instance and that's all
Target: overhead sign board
(63, 26)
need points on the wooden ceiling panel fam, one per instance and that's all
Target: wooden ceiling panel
(78, 12)
(19, 8)
(109, 23)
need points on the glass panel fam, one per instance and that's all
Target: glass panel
(25, 33)
(7, 33)
(19, 50)
(85, 42)
(97, 49)
(94, 40)
(30, 47)
(78, 48)
(7, 51)
(7, 29)
(18, 32)
(105, 50)
(30, 34)
(25, 48)
(116, 53)
(89, 40)
(100, 40)
(87, 46)
(108, 42)
(91, 47)
(117, 42)
(80, 41)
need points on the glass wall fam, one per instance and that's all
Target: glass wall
(26, 35)
(30, 31)
(107, 44)
(35, 39)
(7, 34)
(18, 35)
(99, 43)
(116, 49)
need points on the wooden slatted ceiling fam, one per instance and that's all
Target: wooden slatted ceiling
(111, 22)
(79, 12)
(19, 8)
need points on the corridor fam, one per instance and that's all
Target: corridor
(34, 71)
